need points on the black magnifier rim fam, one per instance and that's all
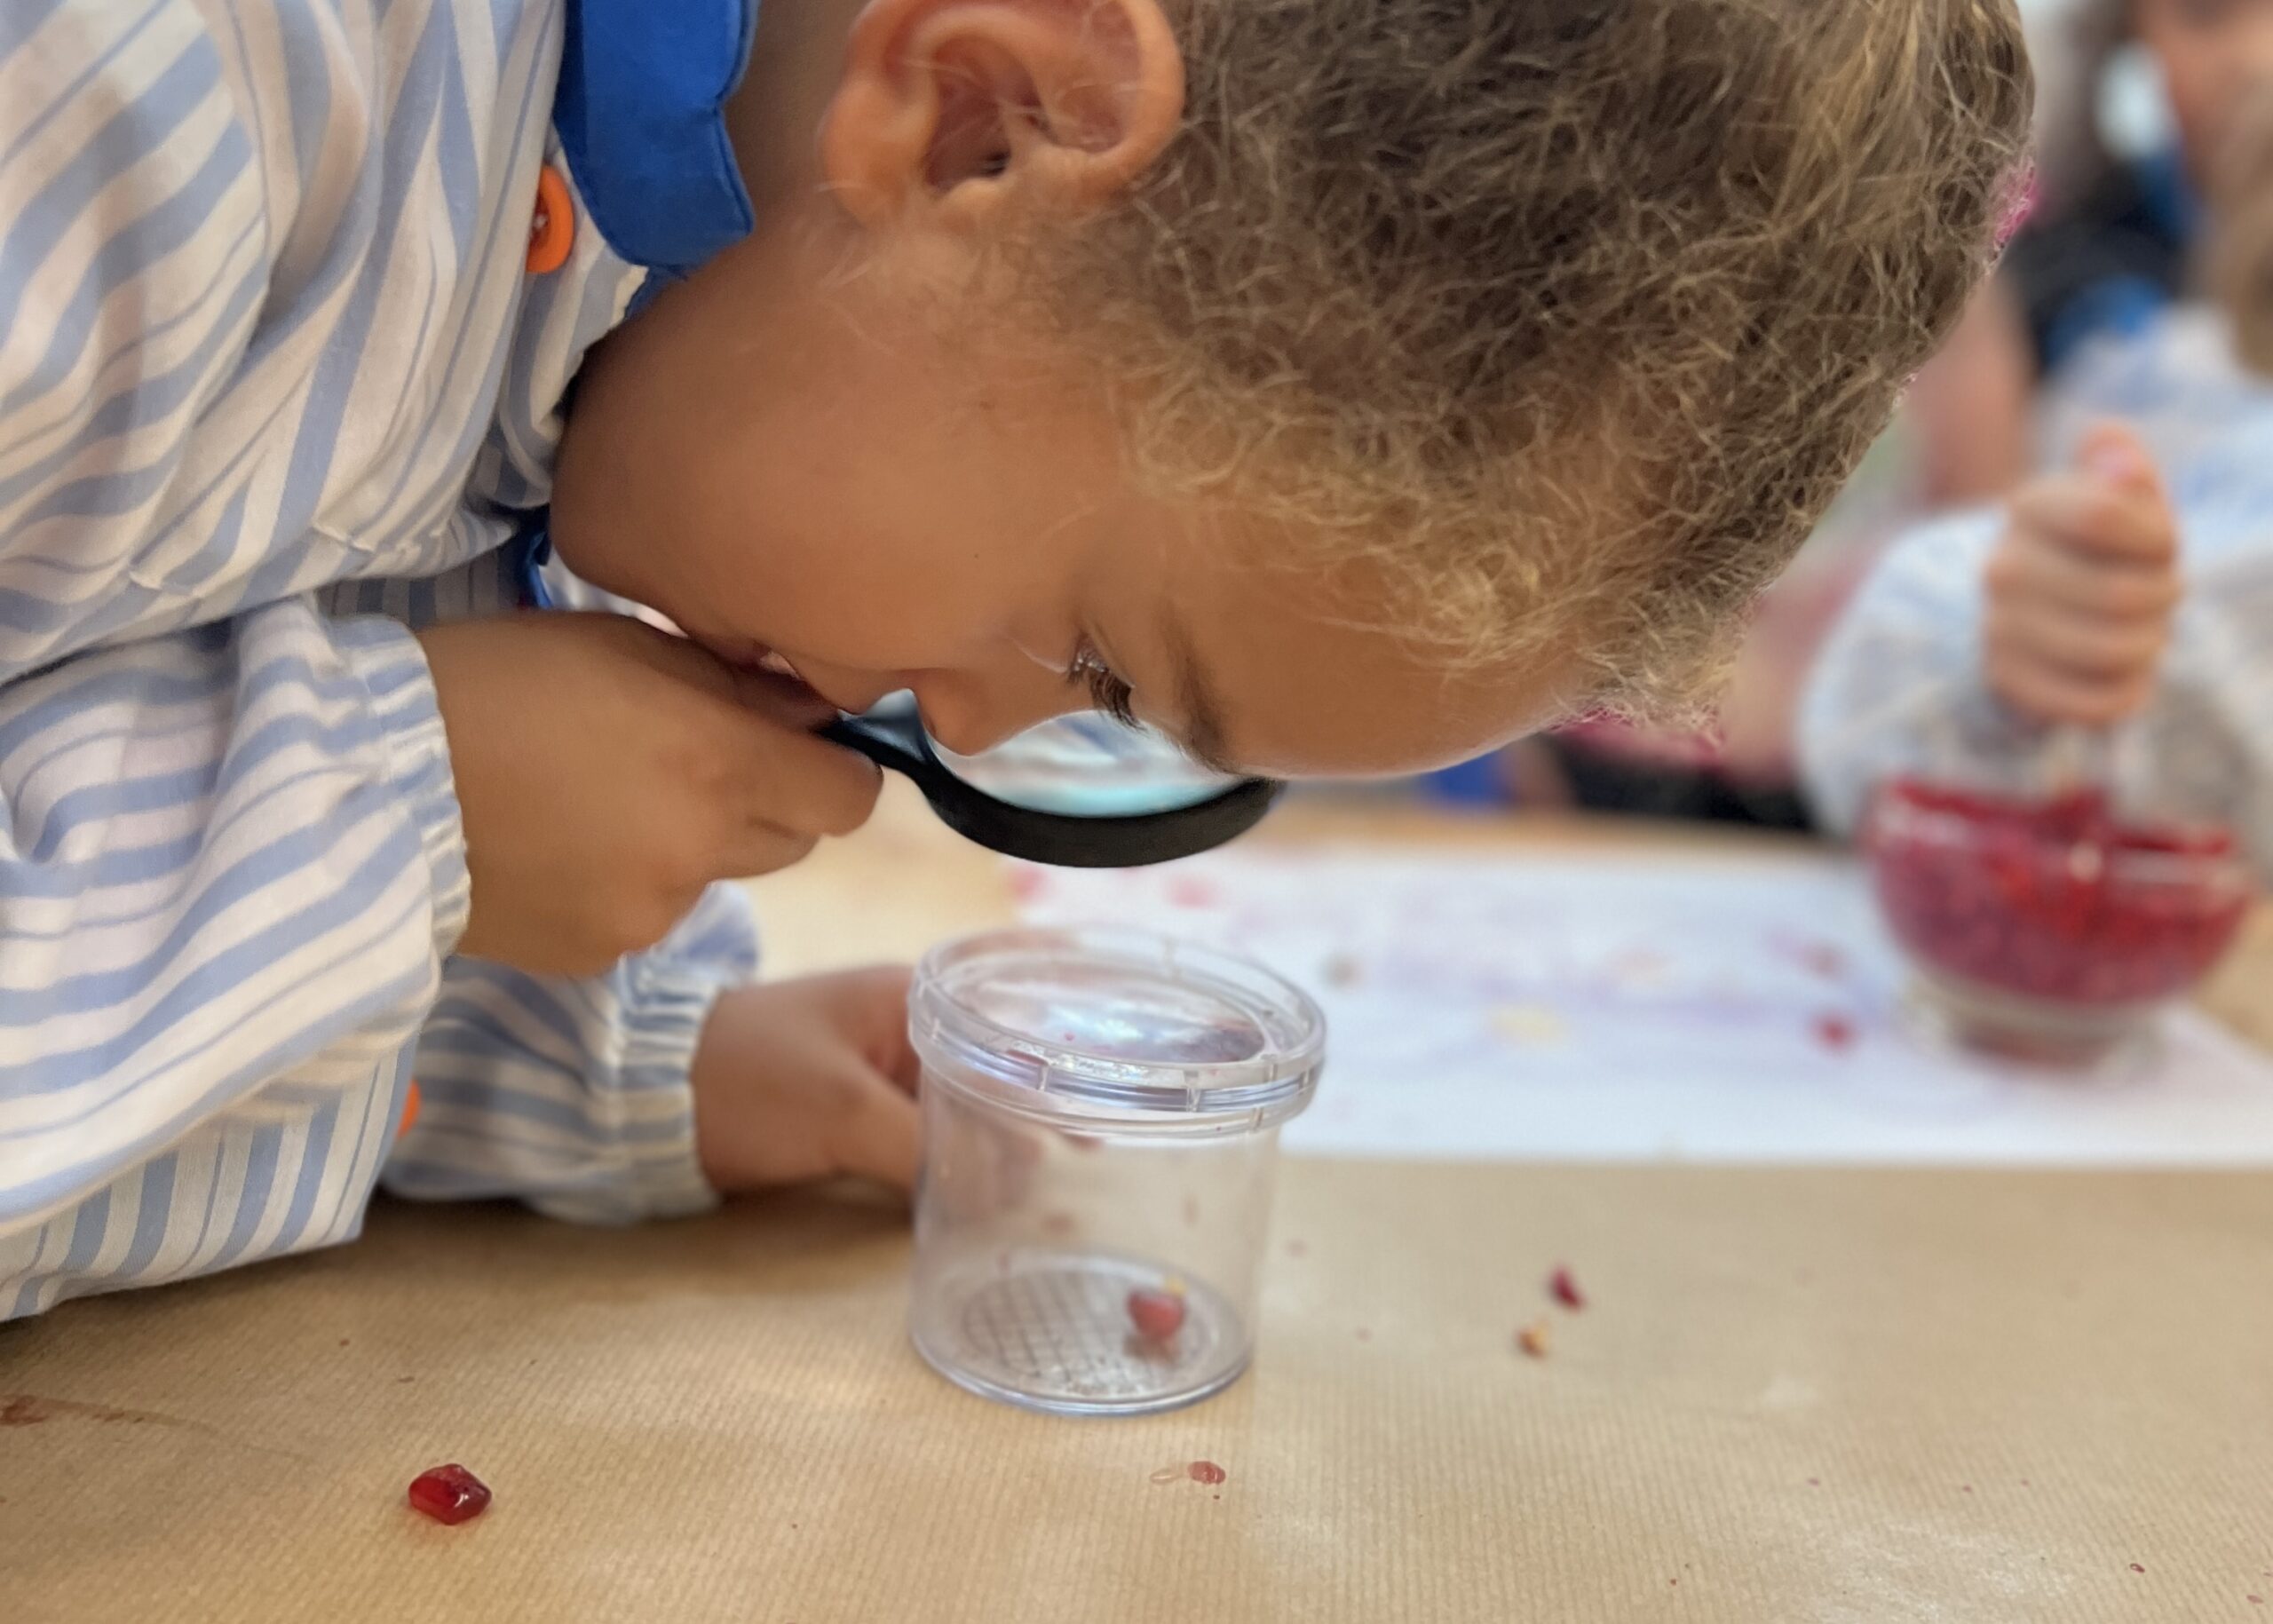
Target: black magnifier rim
(1060, 840)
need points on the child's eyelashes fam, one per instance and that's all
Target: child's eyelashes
(1107, 692)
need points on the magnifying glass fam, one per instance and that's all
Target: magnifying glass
(1082, 792)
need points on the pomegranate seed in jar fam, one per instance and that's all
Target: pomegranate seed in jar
(1157, 1315)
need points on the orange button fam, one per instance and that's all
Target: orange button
(409, 1111)
(552, 230)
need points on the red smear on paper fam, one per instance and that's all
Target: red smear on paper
(1835, 1032)
(1190, 890)
(1206, 1472)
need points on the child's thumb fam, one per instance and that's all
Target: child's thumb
(2115, 454)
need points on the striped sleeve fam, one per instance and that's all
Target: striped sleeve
(230, 858)
(574, 1096)
(225, 857)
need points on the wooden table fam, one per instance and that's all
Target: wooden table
(1795, 1396)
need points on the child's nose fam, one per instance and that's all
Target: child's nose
(970, 716)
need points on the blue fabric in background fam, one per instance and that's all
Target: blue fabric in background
(1472, 783)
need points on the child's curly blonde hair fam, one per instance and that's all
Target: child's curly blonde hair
(1571, 314)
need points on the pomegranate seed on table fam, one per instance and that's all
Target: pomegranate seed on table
(448, 1494)
(1563, 1286)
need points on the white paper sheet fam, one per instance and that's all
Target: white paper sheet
(1604, 1010)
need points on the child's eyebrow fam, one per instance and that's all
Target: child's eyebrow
(1206, 735)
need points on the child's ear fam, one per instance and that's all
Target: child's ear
(964, 107)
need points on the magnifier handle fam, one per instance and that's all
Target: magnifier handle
(895, 742)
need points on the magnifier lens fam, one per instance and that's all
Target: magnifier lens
(1088, 766)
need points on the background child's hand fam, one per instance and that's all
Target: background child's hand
(798, 1079)
(607, 771)
(2082, 589)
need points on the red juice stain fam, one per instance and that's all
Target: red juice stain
(1026, 885)
(1206, 1472)
(1967, 1488)
(1157, 1315)
(1815, 1483)
(448, 1494)
(2137, 1569)
(342, 1341)
(2051, 899)
(1563, 1286)
(1835, 1032)
(2258, 1601)
(1190, 890)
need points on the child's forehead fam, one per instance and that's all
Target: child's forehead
(1302, 676)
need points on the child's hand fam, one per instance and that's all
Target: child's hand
(2082, 589)
(607, 771)
(798, 1079)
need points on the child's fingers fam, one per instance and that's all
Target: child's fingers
(875, 1012)
(878, 1137)
(2112, 451)
(2078, 642)
(2086, 584)
(757, 848)
(797, 780)
(2118, 523)
(2050, 693)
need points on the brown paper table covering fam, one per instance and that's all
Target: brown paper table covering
(1794, 1395)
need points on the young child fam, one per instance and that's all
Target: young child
(2130, 588)
(1340, 385)
(2113, 248)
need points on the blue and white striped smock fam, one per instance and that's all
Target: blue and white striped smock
(275, 383)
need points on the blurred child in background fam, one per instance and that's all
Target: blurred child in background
(2130, 585)
(2110, 250)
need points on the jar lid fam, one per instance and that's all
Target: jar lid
(1117, 1028)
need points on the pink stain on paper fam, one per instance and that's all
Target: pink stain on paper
(1190, 890)
(1835, 1033)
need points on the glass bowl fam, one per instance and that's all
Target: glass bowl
(2045, 930)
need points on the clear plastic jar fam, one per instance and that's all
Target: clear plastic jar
(1101, 1116)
